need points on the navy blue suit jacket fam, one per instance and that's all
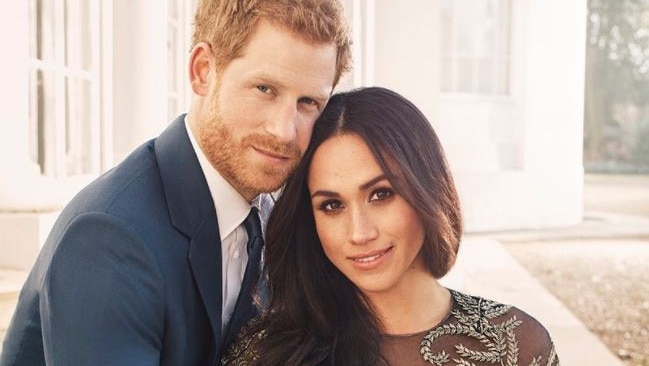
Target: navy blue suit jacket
(131, 272)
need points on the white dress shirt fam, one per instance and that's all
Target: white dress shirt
(231, 210)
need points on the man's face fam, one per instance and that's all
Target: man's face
(263, 106)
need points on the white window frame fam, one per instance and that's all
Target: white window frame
(51, 143)
(501, 55)
(180, 14)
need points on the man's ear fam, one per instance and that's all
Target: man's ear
(201, 64)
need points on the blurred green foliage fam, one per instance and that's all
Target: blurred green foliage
(616, 125)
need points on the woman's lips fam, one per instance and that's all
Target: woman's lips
(370, 260)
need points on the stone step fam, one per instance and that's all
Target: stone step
(11, 281)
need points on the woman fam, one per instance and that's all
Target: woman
(365, 227)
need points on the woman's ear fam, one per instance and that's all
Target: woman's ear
(201, 64)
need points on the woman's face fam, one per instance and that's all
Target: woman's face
(368, 231)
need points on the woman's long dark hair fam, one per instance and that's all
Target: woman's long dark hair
(316, 316)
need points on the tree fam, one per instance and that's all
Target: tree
(617, 80)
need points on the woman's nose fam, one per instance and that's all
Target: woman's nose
(362, 228)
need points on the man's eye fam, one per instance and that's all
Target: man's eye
(264, 88)
(310, 102)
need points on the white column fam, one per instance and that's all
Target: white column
(554, 97)
(140, 73)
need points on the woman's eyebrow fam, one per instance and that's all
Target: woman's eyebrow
(325, 193)
(372, 182)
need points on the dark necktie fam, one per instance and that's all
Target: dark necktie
(244, 309)
(254, 246)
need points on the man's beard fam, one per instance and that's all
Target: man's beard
(228, 156)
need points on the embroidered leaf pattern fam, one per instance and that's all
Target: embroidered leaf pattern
(553, 358)
(536, 361)
(485, 321)
(476, 355)
(465, 363)
(512, 344)
(438, 359)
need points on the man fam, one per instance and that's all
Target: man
(144, 266)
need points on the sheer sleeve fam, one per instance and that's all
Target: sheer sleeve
(534, 343)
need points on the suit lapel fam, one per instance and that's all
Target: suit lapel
(191, 210)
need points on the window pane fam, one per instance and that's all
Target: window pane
(447, 75)
(465, 39)
(172, 65)
(64, 105)
(487, 35)
(172, 108)
(78, 34)
(79, 139)
(475, 46)
(446, 28)
(505, 28)
(41, 29)
(485, 76)
(42, 120)
(172, 8)
(502, 77)
(465, 76)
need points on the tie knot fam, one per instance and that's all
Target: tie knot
(253, 224)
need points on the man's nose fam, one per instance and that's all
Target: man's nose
(282, 123)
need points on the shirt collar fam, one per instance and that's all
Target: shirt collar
(231, 207)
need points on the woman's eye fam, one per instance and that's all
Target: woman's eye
(330, 206)
(381, 194)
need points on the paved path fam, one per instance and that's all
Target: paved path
(621, 194)
(10, 284)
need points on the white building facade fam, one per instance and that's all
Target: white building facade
(86, 81)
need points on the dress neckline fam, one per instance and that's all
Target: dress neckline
(425, 331)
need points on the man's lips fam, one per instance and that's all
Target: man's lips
(272, 154)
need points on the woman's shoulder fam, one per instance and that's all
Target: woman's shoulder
(495, 316)
(489, 329)
(488, 310)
